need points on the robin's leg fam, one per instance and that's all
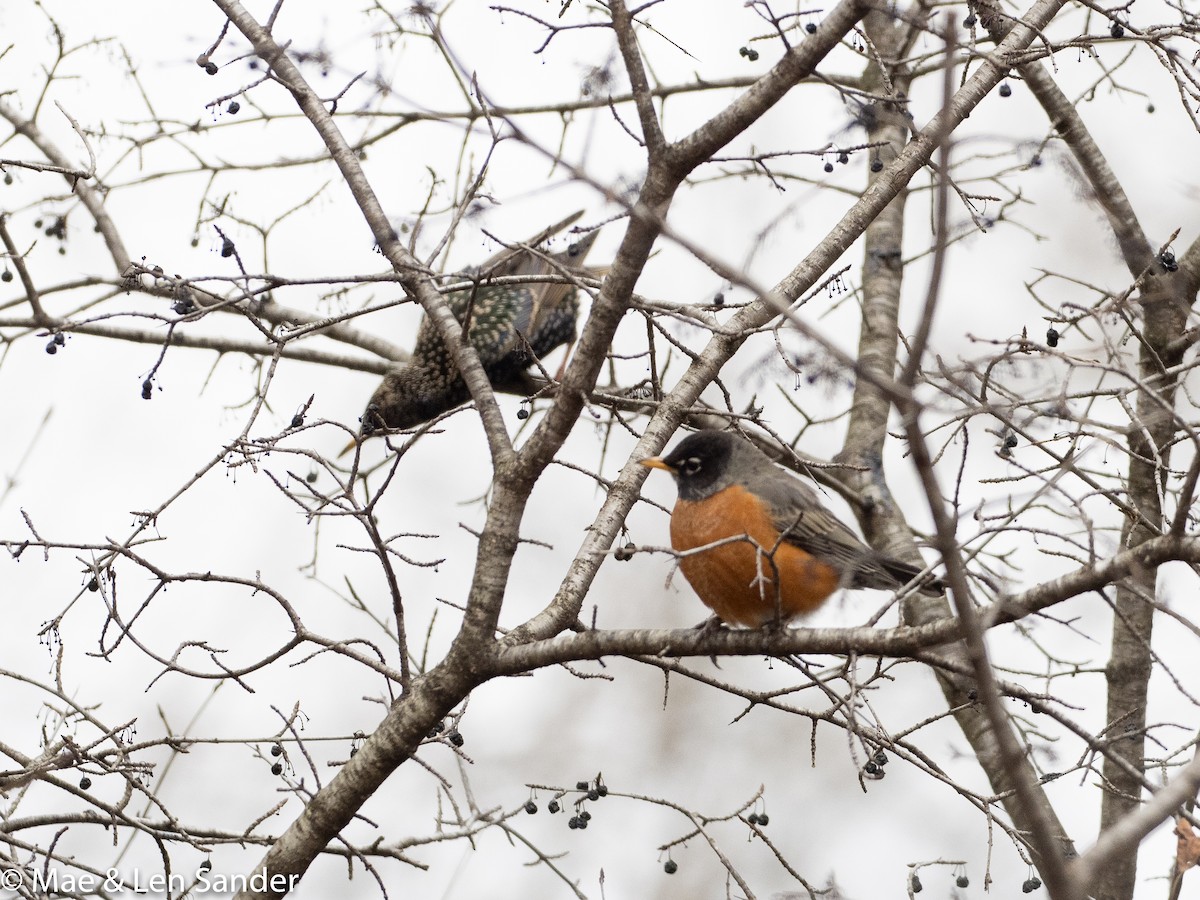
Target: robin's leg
(711, 625)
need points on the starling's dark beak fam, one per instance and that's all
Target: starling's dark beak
(656, 462)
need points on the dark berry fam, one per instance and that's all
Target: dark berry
(742, 51)
(585, 816)
(602, 790)
(583, 821)
(8, 179)
(227, 247)
(1005, 90)
(456, 739)
(553, 806)
(752, 54)
(752, 818)
(877, 165)
(277, 769)
(969, 22)
(52, 348)
(1010, 441)
(1117, 30)
(522, 413)
(206, 866)
(917, 887)
(85, 782)
(60, 338)
(233, 107)
(670, 867)
(37, 223)
(94, 584)
(811, 27)
(1027, 886)
(147, 389)
(581, 785)
(962, 881)
(718, 298)
(1149, 109)
(530, 807)
(311, 477)
(763, 820)
(843, 157)
(871, 768)
(573, 822)
(828, 167)
(276, 750)
(593, 794)
(6, 276)
(1052, 337)
(297, 420)
(880, 758)
(1167, 258)
(210, 68)
(353, 751)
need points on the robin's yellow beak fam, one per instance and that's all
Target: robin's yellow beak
(350, 446)
(656, 462)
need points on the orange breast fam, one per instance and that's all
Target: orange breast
(742, 583)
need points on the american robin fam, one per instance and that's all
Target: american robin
(778, 552)
(508, 325)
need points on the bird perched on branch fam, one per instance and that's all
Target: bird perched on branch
(509, 325)
(773, 552)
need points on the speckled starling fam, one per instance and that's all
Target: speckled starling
(508, 325)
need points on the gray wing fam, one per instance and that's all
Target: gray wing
(798, 515)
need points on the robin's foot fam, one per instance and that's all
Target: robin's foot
(774, 626)
(711, 625)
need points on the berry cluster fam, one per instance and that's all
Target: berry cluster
(589, 790)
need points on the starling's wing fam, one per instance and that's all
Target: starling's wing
(555, 304)
(502, 319)
(540, 315)
(798, 515)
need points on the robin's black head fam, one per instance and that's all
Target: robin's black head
(702, 463)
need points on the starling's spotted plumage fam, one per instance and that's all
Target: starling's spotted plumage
(508, 325)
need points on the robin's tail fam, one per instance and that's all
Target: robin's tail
(884, 573)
